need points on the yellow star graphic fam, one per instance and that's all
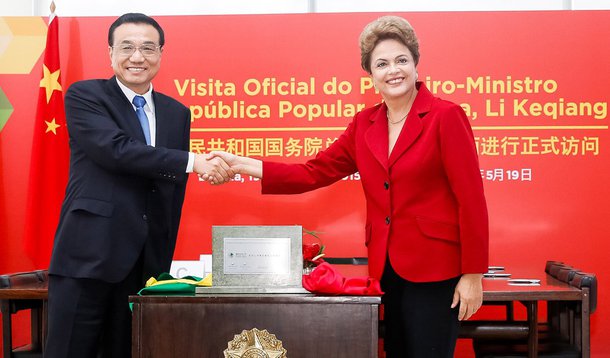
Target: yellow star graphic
(50, 81)
(52, 126)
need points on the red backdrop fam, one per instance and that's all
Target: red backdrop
(282, 86)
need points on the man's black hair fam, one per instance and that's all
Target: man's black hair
(135, 18)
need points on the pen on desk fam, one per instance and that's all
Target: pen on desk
(496, 268)
(524, 281)
(496, 274)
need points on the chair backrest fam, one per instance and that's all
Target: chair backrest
(574, 277)
(550, 264)
(585, 279)
(555, 268)
(23, 278)
(566, 274)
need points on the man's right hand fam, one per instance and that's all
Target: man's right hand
(239, 164)
(213, 169)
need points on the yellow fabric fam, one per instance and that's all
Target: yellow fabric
(206, 282)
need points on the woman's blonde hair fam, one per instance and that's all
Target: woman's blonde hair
(384, 28)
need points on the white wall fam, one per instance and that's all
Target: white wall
(201, 7)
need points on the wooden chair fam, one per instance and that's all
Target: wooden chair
(578, 315)
(561, 336)
(16, 290)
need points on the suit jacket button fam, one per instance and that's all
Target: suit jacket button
(386, 185)
(145, 217)
(387, 220)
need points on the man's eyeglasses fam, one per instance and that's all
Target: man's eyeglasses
(127, 50)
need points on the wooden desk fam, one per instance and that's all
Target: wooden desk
(550, 290)
(32, 296)
(307, 325)
(495, 290)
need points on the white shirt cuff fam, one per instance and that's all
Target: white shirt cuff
(191, 163)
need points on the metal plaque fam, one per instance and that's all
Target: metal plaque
(253, 256)
(256, 259)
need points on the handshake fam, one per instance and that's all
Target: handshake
(219, 167)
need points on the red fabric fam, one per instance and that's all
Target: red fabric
(325, 279)
(50, 158)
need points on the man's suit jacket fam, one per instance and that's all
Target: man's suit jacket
(426, 208)
(123, 197)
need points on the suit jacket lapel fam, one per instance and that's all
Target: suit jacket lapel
(132, 124)
(376, 137)
(413, 125)
(163, 120)
(409, 133)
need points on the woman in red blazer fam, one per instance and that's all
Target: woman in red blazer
(427, 225)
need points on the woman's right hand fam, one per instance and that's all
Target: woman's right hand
(239, 164)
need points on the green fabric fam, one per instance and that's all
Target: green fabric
(166, 284)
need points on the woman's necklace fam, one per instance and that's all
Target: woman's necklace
(411, 99)
(387, 113)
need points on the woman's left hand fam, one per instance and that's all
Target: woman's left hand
(469, 294)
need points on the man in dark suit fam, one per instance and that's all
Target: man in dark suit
(129, 166)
